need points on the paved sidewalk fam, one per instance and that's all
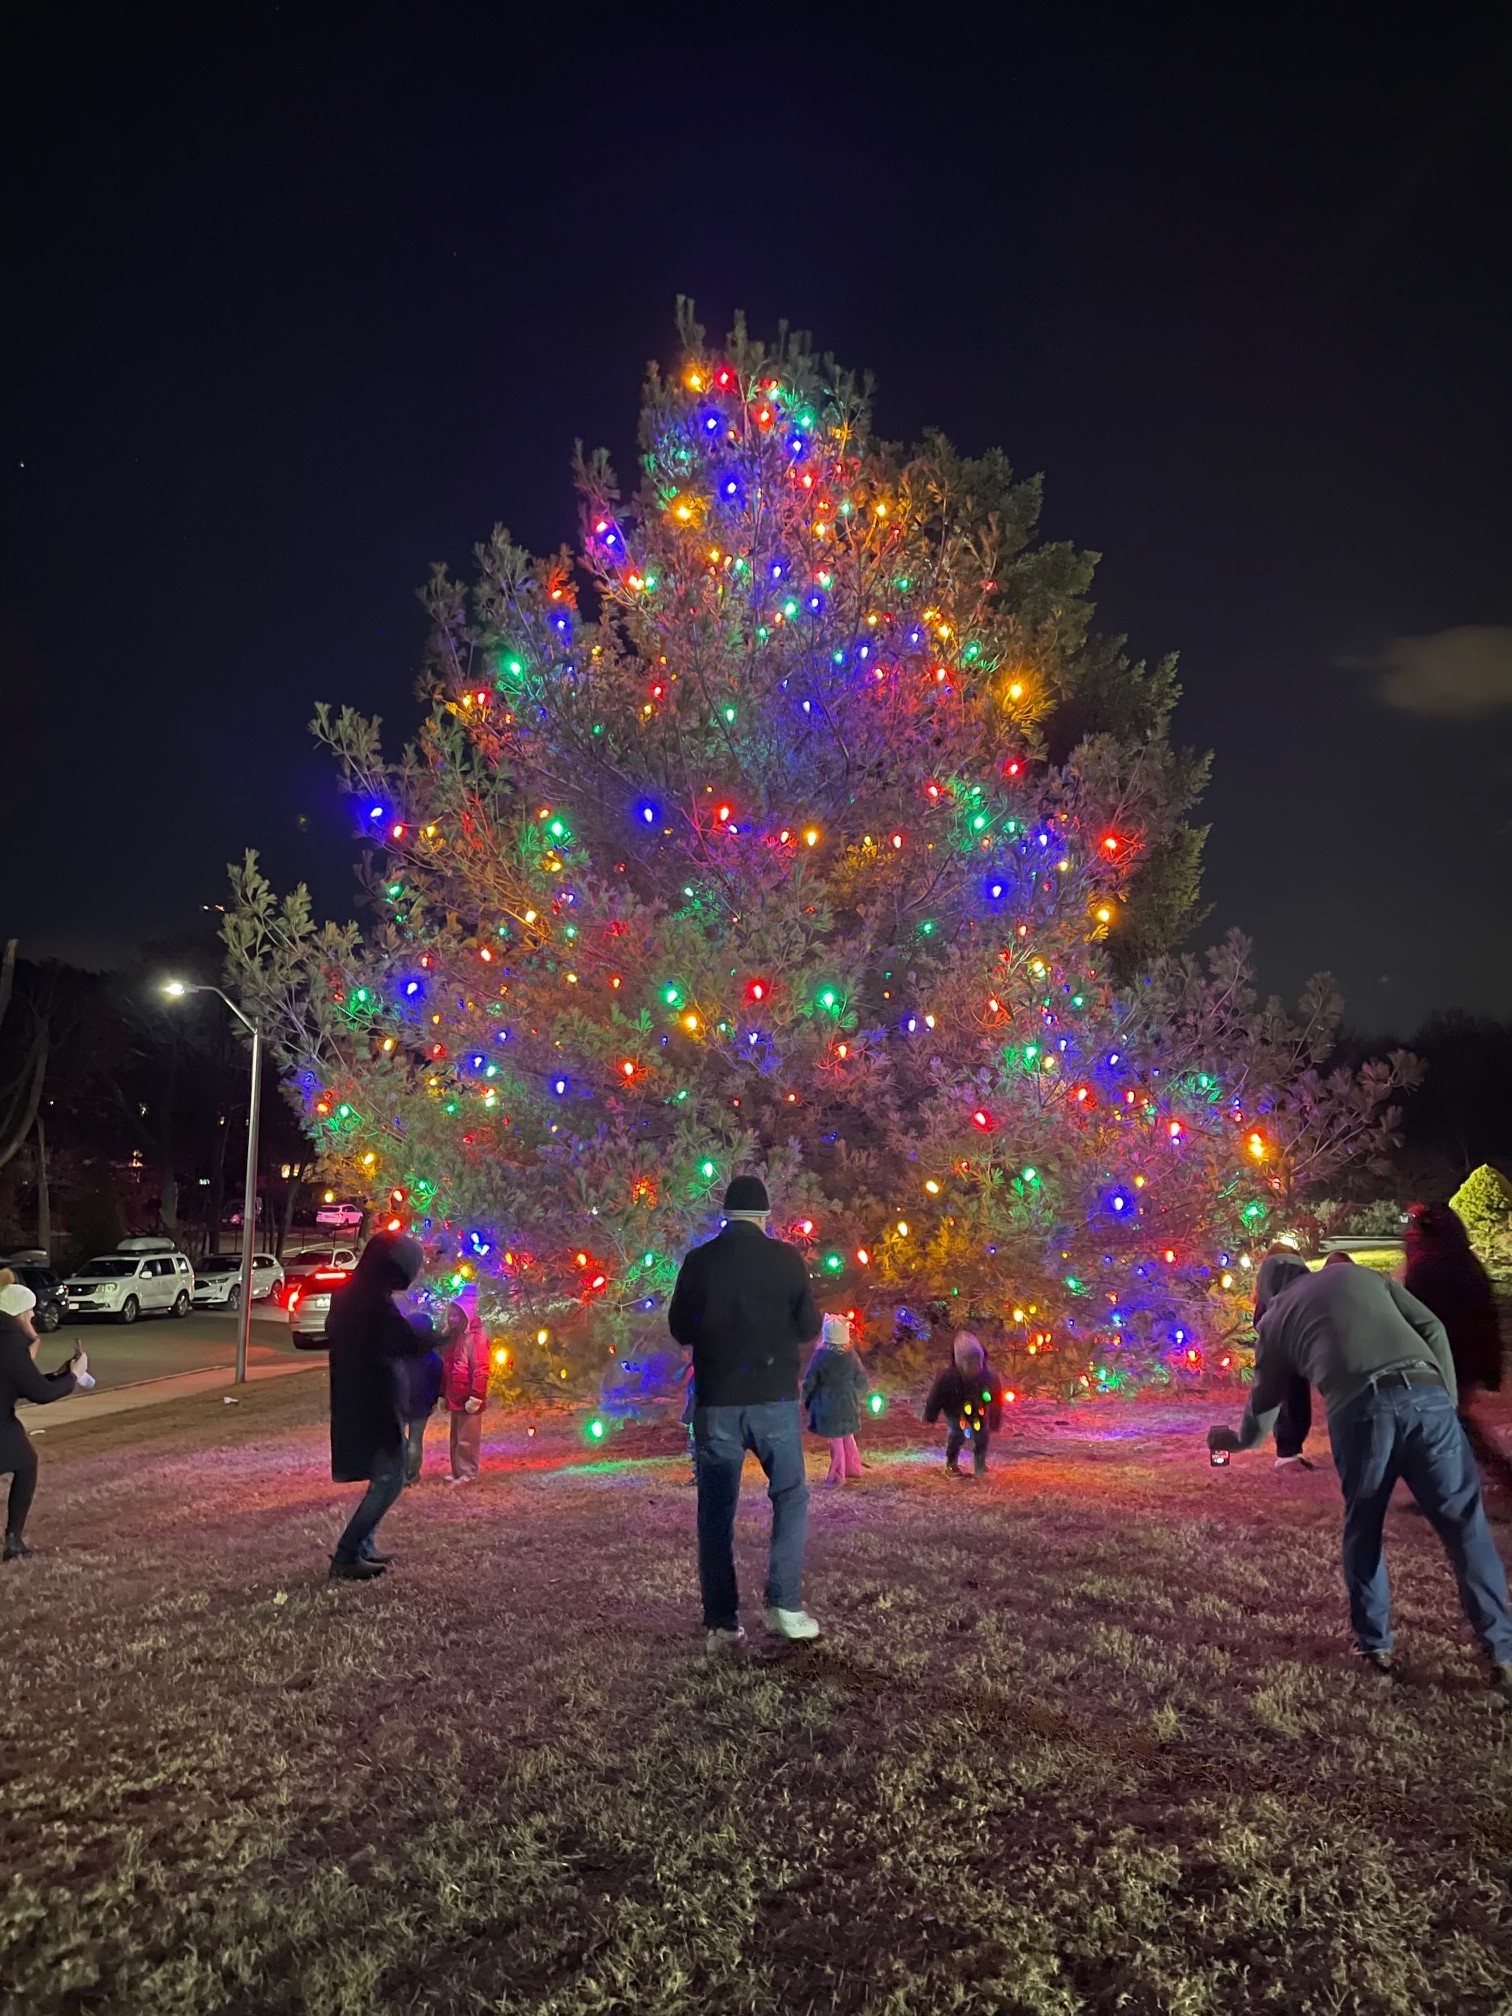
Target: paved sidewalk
(153, 1392)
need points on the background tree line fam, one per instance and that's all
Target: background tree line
(123, 1112)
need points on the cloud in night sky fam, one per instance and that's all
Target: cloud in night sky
(1461, 674)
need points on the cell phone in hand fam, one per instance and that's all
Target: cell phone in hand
(1218, 1458)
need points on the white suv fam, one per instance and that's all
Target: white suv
(143, 1277)
(217, 1279)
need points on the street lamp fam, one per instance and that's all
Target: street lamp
(176, 990)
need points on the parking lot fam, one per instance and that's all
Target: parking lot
(158, 1347)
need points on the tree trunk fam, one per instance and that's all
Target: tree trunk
(291, 1199)
(218, 1187)
(27, 1100)
(44, 1193)
(167, 1171)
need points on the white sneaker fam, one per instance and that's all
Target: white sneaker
(1294, 1463)
(717, 1640)
(792, 1624)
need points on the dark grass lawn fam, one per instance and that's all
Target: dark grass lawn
(1085, 1737)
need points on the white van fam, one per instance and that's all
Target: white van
(143, 1277)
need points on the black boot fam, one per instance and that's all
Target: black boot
(16, 1548)
(372, 1554)
(359, 1570)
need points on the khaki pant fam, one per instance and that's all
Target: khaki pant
(466, 1443)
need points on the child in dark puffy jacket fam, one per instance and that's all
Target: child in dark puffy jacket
(423, 1378)
(966, 1393)
(464, 1363)
(833, 1389)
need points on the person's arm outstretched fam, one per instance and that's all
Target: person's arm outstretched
(29, 1381)
(1267, 1391)
(685, 1310)
(807, 1322)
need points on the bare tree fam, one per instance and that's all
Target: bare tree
(20, 1099)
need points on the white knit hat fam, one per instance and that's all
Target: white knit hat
(17, 1300)
(837, 1331)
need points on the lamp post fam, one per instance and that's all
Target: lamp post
(176, 990)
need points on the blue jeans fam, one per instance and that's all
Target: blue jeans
(721, 1437)
(414, 1447)
(1396, 1429)
(384, 1485)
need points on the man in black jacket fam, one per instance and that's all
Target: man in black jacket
(20, 1380)
(744, 1307)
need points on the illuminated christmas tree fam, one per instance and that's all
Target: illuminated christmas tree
(740, 841)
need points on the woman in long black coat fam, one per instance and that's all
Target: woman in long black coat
(369, 1340)
(21, 1380)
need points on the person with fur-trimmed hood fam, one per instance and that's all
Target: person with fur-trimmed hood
(966, 1393)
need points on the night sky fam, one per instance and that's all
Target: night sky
(295, 307)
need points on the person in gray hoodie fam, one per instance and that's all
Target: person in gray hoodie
(1381, 1361)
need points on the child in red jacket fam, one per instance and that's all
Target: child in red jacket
(464, 1385)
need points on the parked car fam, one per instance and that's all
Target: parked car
(32, 1269)
(217, 1279)
(143, 1277)
(310, 1304)
(347, 1216)
(298, 1267)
